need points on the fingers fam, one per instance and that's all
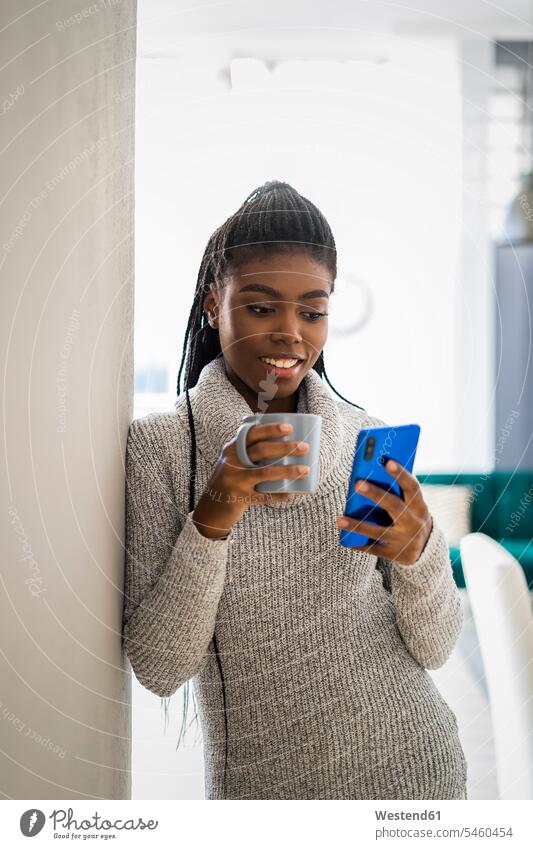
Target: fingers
(263, 445)
(380, 549)
(367, 529)
(390, 502)
(266, 431)
(270, 472)
(408, 483)
(263, 442)
(393, 504)
(267, 450)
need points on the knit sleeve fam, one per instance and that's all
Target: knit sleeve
(429, 611)
(174, 576)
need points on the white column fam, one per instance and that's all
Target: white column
(66, 271)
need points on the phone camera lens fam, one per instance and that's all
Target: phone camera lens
(369, 447)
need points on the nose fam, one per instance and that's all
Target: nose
(289, 332)
(287, 336)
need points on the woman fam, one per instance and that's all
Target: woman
(308, 659)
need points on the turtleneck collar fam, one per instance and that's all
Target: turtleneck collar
(218, 408)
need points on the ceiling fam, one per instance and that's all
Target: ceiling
(222, 30)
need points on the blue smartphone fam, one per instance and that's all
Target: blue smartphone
(376, 445)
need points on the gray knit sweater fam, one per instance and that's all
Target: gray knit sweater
(320, 689)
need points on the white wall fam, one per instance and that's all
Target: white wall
(66, 183)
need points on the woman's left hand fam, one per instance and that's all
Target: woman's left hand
(405, 539)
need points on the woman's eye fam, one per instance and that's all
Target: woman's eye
(252, 308)
(313, 316)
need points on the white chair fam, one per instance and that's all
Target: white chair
(501, 608)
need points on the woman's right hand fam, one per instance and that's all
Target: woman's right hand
(231, 488)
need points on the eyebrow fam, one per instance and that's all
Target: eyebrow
(268, 290)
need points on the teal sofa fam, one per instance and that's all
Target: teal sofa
(501, 507)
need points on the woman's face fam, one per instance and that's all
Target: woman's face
(271, 307)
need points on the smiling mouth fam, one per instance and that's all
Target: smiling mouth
(282, 362)
(282, 368)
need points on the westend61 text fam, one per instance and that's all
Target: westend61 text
(407, 815)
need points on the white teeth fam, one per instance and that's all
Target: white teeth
(280, 363)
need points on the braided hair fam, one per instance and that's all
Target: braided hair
(275, 218)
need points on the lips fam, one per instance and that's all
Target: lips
(282, 355)
(283, 371)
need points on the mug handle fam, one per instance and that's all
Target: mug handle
(240, 445)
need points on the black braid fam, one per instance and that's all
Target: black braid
(274, 218)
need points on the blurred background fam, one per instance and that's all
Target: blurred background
(411, 129)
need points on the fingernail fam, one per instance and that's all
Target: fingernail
(392, 465)
(361, 486)
(285, 428)
(341, 522)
